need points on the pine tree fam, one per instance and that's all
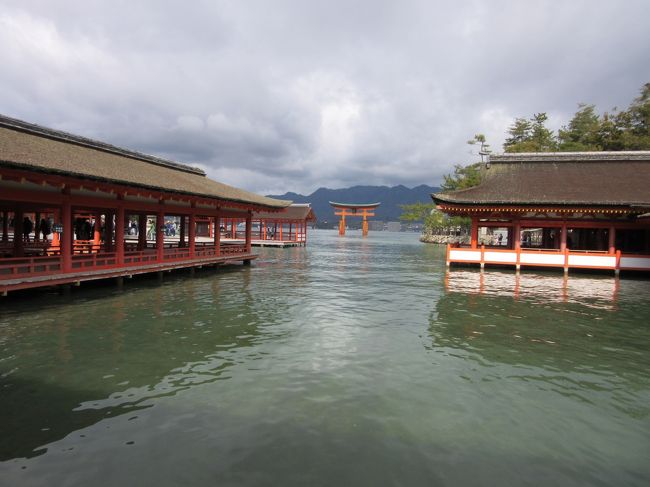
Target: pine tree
(530, 135)
(583, 131)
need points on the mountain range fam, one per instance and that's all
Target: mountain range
(389, 197)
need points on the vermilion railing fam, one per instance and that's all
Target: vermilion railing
(19, 266)
(13, 267)
(84, 261)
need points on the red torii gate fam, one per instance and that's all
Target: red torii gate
(354, 209)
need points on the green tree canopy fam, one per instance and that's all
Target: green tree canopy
(463, 177)
(634, 123)
(530, 135)
(425, 213)
(587, 131)
(583, 131)
(416, 212)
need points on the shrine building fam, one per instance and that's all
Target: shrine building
(588, 210)
(75, 209)
(287, 228)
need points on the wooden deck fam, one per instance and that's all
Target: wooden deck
(46, 270)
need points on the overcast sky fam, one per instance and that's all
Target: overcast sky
(276, 96)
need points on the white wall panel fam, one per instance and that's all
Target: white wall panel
(602, 261)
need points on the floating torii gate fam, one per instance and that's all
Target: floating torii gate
(353, 209)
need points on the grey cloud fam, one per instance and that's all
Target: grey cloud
(292, 95)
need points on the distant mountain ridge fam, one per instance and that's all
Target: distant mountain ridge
(389, 197)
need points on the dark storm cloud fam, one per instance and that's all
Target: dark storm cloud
(293, 95)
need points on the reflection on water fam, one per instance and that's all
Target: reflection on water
(352, 362)
(577, 346)
(598, 292)
(87, 361)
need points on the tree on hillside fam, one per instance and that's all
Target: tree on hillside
(530, 135)
(583, 131)
(634, 123)
(587, 131)
(610, 134)
(463, 177)
(423, 212)
(416, 212)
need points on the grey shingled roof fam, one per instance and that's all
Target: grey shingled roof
(579, 178)
(293, 212)
(32, 147)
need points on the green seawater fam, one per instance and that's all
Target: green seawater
(351, 362)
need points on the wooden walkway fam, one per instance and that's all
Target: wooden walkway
(76, 278)
(266, 243)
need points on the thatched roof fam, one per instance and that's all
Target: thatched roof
(563, 179)
(294, 212)
(32, 147)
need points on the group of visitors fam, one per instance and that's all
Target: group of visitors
(43, 228)
(82, 229)
(170, 229)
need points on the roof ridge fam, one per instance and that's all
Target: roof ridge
(596, 156)
(60, 135)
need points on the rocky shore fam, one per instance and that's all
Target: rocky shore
(444, 239)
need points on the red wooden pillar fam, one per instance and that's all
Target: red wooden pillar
(262, 230)
(5, 226)
(612, 240)
(563, 237)
(233, 228)
(142, 231)
(249, 232)
(192, 235)
(474, 234)
(160, 236)
(181, 242)
(517, 235)
(305, 240)
(119, 235)
(281, 227)
(217, 235)
(67, 238)
(290, 231)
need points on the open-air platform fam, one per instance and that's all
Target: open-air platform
(267, 243)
